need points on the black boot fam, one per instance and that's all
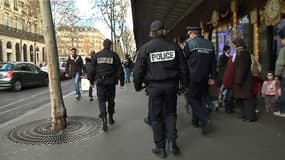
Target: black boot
(111, 119)
(159, 151)
(104, 120)
(172, 146)
(146, 120)
(195, 124)
(206, 127)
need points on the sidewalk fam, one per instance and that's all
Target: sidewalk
(131, 139)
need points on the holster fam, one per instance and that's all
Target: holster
(105, 80)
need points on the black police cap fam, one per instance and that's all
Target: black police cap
(156, 25)
(193, 29)
(107, 42)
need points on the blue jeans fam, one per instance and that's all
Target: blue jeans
(77, 80)
(229, 100)
(282, 98)
(127, 72)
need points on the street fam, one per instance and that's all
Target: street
(14, 104)
(129, 138)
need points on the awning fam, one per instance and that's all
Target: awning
(177, 14)
(171, 12)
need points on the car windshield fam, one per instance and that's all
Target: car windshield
(6, 67)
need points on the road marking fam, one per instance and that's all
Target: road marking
(31, 112)
(20, 100)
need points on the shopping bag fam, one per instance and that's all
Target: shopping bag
(85, 84)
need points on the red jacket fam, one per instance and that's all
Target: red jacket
(229, 74)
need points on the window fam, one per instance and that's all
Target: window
(6, 3)
(36, 28)
(15, 4)
(9, 45)
(44, 56)
(22, 67)
(9, 55)
(33, 68)
(31, 53)
(7, 19)
(15, 21)
(1, 52)
(6, 67)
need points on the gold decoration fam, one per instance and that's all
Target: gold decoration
(272, 12)
(283, 7)
(215, 18)
(254, 16)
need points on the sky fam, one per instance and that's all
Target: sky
(86, 11)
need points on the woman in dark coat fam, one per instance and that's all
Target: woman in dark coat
(243, 81)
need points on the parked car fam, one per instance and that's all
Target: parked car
(61, 70)
(16, 75)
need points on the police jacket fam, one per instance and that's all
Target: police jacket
(107, 68)
(201, 59)
(159, 60)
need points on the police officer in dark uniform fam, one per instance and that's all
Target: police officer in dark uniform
(161, 65)
(107, 71)
(201, 62)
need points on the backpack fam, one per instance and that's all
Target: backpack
(255, 67)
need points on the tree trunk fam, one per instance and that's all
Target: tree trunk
(58, 111)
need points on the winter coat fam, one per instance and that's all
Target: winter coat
(229, 74)
(271, 88)
(75, 65)
(280, 64)
(243, 79)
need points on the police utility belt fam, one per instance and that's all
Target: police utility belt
(101, 79)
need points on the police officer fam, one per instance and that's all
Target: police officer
(201, 62)
(107, 71)
(161, 65)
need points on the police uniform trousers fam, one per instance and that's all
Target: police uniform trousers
(106, 93)
(162, 112)
(195, 96)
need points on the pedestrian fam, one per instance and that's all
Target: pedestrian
(127, 63)
(226, 93)
(222, 64)
(270, 91)
(75, 68)
(280, 72)
(107, 71)
(160, 64)
(89, 72)
(243, 83)
(228, 82)
(201, 62)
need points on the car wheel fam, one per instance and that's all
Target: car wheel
(17, 85)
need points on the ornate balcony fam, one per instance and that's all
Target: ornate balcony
(17, 33)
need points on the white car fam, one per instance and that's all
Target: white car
(61, 70)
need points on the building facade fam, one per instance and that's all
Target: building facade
(21, 36)
(84, 39)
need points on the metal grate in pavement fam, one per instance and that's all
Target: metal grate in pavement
(39, 132)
